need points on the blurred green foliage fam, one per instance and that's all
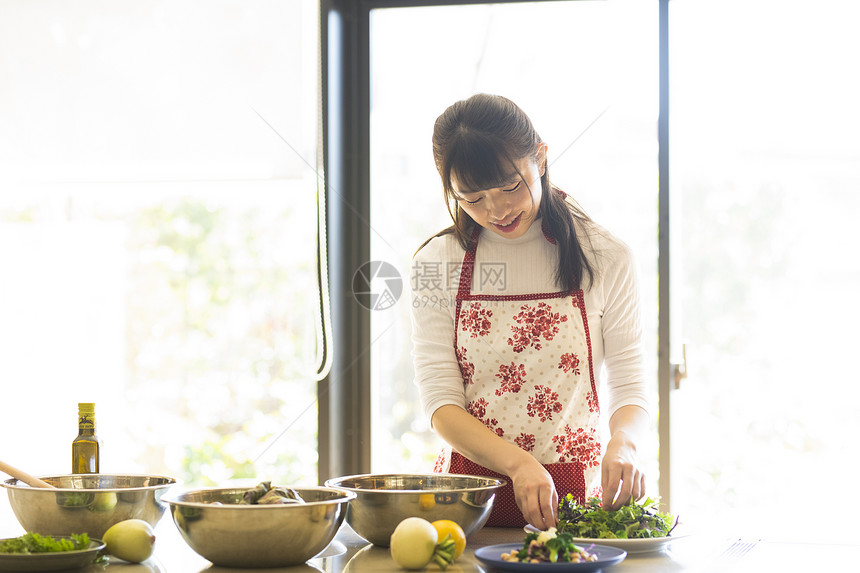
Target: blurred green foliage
(221, 309)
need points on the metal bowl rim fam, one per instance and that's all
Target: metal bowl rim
(172, 500)
(334, 482)
(18, 485)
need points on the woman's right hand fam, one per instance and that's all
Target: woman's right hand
(534, 491)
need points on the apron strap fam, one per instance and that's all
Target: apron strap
(468, 266)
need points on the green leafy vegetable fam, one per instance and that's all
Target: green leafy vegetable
(632, 521)
(35, 543)
(265, 494)
(75, 499)
(549, 546)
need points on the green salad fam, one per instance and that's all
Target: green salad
(549, 546)
(35, 543)
(632, 521)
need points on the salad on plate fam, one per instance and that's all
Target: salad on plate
(633, 521)
(549, 546)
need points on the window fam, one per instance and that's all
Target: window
(765, 163)
(592, 97)
(158, 235)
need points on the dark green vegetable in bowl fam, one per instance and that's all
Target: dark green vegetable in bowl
(218, 526)
(265, 494)
(632, 521)
(75, 499)
(87, 502)
(35, 543)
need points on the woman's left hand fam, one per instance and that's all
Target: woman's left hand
(621, 474)
(621, 477)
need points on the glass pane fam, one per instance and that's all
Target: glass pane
(586, 73)
(157, 236)
(765, 160)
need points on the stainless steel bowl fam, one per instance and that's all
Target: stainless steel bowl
(384, 500)
(232, 535)
(87, 503)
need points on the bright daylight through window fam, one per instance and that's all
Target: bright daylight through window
(598, 119)
(764, 162)
(158, 235)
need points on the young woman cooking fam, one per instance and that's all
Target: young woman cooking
(516, 307)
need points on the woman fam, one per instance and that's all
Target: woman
(516, 307)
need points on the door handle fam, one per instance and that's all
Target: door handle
(680, 370)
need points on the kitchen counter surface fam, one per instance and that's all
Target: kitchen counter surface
(349, 552)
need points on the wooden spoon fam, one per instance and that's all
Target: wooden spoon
(23, 476)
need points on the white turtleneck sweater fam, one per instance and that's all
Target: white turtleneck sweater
(521, 266)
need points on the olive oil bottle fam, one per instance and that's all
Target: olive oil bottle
(85, 448)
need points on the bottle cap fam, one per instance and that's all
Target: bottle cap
(86, 416)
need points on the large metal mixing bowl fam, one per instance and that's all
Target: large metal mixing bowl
(228, 534)
(384, 500)
(87, 503)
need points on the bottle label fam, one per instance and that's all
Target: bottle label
(86, 421)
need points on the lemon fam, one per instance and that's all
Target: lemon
(445, 527)
(131, 540)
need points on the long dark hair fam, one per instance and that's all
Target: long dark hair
(477, 140)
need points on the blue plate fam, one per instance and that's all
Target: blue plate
(606, 557)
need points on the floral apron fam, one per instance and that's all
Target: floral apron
(527, 373)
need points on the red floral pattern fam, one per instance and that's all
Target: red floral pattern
(569, 363)
(467, 369)
(525, 441)
(593, 405)
(498, 384)
(580, 446)
(543, 403)
(535, 322)
(439, 466)
(512, 376)
(476, 320)
(478, 408)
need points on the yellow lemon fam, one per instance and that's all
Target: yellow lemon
(131, 540)
(445, 527)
